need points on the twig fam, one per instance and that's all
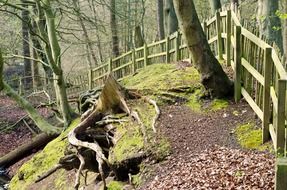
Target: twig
(48, 173)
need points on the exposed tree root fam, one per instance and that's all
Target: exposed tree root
(49, 172)
(81, 167)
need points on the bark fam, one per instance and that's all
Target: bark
(212, 75)
(113, 25)
(138, 37)
(41, 123)
(160, 20)
(26, 46)
(24, 150)
(171, 22)
(269, 22)
(215, 5)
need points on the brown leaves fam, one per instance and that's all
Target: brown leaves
(218, 168)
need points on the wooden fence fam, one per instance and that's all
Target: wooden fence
(259, 74)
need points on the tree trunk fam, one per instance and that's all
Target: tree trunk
(113, 24)
(212, 75)
(24, 150)
(90, 49)
(160, 19)
(171, 22)
(53, 52)
(138, 37)
(269, 22)
(215, 5)
(26, 47)
(41, 123)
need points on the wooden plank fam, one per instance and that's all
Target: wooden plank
(228, 37)
(255, 39)
(252, 103)
(213, 39)
(121, 56)
(280, 120)
(176, 45)
(99, 67)
(140, 59)
(266, 95)
(237, 64)
(252, 71)
(235, 19)
(172, 51)
(145, 55)
(232, 64)
(100, 77)
(280, 174)
(139, 49)
(122, 66)
(273, 135)
(223, 13)
(232, 41)
(210, 21)
(274, 98)
(224, 35)
(278, 65)
(156, 43)
(167, 44)
(157, 55)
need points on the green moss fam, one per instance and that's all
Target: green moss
(61, 180)
(115, 185)
(162, 149)
(42, 161)
(136, 180)
(193, 101)
(161, 77)
(218, 104)
(250, 137)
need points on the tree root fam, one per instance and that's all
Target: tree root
(49, 172)
(135, 115)
(78, 175)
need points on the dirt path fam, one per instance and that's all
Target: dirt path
(205, 154)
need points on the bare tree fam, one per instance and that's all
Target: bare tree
(215, 5)
(160, 19)
(113, 24)
(212, 75)
(171, 22)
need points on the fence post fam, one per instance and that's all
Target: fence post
(280, 120)
(280, 174)
(266, 95)
(145, 55)
(176, 45)
(219, 38)
(167, 58)
(228, 38)
(90, 79)
(110, 66)
(205, 27)
(237, 64)
(133, 61)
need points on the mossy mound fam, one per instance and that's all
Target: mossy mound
(250, 137)
(42, 161)
(158, 77)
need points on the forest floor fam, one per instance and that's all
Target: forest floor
(206, 154)
(205, 151)
(13, 131)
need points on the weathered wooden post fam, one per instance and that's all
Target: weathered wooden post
(167, 58)
(280, 174)
(91, 78)
(145, 55)
(176, 45)
(280, 119)
(228, 38)
(21, 87)
(133, 66)
(266, 94)
(219, 37)
(237, 64)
